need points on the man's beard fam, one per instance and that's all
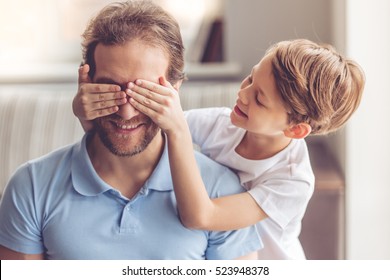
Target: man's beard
(125, 146)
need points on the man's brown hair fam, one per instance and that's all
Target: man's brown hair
(121, 22)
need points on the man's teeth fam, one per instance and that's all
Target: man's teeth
(127, 126)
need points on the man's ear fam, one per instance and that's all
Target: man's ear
(298, 131)
(177, 85)
(164, 82)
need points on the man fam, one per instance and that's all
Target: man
(110, 196)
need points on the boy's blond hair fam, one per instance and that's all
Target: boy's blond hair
(318, 85)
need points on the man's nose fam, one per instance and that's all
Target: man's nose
(127, 111)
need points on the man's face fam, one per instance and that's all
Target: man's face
(127, 132)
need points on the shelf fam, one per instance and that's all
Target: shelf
(327, 173)
(208, 71)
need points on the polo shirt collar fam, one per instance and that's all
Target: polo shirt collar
(161, 179)
(88, 183)
(84, 177)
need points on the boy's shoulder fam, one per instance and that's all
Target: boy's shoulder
(211, 112)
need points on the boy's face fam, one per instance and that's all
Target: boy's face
(259, 107)
(127, 132)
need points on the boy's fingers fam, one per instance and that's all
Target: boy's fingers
(103, 112)
(102, 88)
(165, 83)
(107, 96)
(150, 86)
(139, 97)
(105, 104)
(142, 108)
(102, 91)
(145, 101)
(141, 93)
(83, 74)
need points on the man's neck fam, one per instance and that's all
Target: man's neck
(126, 174)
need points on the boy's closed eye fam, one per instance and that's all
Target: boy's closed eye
(258, 102)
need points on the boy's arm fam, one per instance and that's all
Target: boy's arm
(95, 100)
(196, 209)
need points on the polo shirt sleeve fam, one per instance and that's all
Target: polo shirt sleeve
(19, 226)
(236, 243)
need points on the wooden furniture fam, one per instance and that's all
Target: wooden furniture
(323, 229)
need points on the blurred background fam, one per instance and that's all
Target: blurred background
(350, 212)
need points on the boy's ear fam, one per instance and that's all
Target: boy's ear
(298, 131)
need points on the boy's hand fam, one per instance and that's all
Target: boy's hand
(96, 100)
(160, 102)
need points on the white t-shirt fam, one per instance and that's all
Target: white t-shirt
(282, 185)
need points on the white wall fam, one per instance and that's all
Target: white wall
(251, 26)
(336, 141)
(368, 134)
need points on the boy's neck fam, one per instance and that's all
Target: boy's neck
(256, 147)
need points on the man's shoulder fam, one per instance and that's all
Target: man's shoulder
(35, 176)
(57, 155)
(56, 161)
(218, 179)
(207, 164)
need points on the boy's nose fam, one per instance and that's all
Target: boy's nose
(127, 111)
(242, 95)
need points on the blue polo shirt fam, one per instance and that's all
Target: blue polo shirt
(58, 205)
